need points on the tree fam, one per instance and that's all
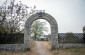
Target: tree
(84, 33)
(38, 28)
(83, 29)
(13, 15)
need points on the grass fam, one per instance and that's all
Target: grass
(14, 53)
(70, 51)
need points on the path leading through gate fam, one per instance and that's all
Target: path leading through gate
(42, 48)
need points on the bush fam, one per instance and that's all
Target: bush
(3, 29)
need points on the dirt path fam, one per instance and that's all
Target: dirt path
(42, 48)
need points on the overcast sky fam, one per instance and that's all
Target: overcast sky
(69, 14)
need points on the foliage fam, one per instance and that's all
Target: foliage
(83, 27)
(12, 16)
(3, 29)
(38, 29)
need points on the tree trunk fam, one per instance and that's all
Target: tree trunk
(35, 37)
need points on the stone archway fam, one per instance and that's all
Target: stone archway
(53, 24)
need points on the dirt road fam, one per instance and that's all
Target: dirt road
(42, 48)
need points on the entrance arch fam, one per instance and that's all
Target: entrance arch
(53, 24)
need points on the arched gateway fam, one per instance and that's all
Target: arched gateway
(53, 24)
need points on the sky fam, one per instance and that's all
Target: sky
(69, 14)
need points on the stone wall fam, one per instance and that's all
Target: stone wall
(14, 47)
(71, 45)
